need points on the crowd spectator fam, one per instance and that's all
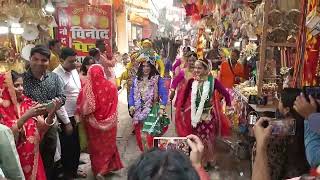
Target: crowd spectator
(108, 63)
(310, 112)
(70, 145)
(10, 167)
(167, 165)
(231, 71)
(55, 49)
(26, 120)
(87, 62)
(42, 86)
(95, 53)
(284, 151)
(97, 107)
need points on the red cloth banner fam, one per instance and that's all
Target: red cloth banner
(80, 26)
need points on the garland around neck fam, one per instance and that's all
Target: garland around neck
(196, 113)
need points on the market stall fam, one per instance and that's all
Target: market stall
(22, 25)
(275, 49)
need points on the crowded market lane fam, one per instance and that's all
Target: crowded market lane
(129, 151)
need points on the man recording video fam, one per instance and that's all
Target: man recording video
(309, 110)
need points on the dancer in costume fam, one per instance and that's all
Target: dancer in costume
(131, 71)
(199, 107)
(147, 50)
(146, 92)
(178, 84)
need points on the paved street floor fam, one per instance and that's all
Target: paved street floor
(129, 151)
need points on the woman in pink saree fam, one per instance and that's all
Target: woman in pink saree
(97, 108)
(24, 117)
(178, 84)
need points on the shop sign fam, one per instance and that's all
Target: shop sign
(80, 26)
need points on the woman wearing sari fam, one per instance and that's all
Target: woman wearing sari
(178, 84)
(24, 118)
(97, 108)
(147, 90)
(201, 115)
(180, 63)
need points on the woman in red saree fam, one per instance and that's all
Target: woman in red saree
(97, 108)
(23, 116)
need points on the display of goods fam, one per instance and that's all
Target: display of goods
(275, 18)
(278, 35)
(270, 89)
(246, 90)
(293, 16)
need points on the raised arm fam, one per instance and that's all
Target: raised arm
(107, 62)
(222, 90)
(161, 67)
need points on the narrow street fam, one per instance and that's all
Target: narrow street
(129, 151)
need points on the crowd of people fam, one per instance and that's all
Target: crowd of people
(49, 112)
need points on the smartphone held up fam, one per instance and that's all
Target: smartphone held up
(172, 143)
(281, 127)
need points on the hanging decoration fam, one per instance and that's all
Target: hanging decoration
(307, 64)
(200, 43)
(119, 6)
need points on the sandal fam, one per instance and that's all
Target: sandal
(81, 174)
(99, 177)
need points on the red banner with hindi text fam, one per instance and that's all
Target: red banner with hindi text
(80, 26)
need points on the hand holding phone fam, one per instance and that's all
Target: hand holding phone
(305, 106)
(196, 150)
(262, 132)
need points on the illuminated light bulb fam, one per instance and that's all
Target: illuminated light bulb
(49, 7)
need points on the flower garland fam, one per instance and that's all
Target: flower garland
(196, 113)
(250, 50)
(142, 111)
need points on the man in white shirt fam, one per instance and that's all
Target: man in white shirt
(70, 146)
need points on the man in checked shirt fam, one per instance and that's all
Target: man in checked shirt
(42, 87)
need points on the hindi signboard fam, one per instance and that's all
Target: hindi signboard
(80, 26)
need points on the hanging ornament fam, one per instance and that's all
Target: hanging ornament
(191, 9)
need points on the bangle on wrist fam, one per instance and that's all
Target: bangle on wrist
(53, 122)
(162, 107)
